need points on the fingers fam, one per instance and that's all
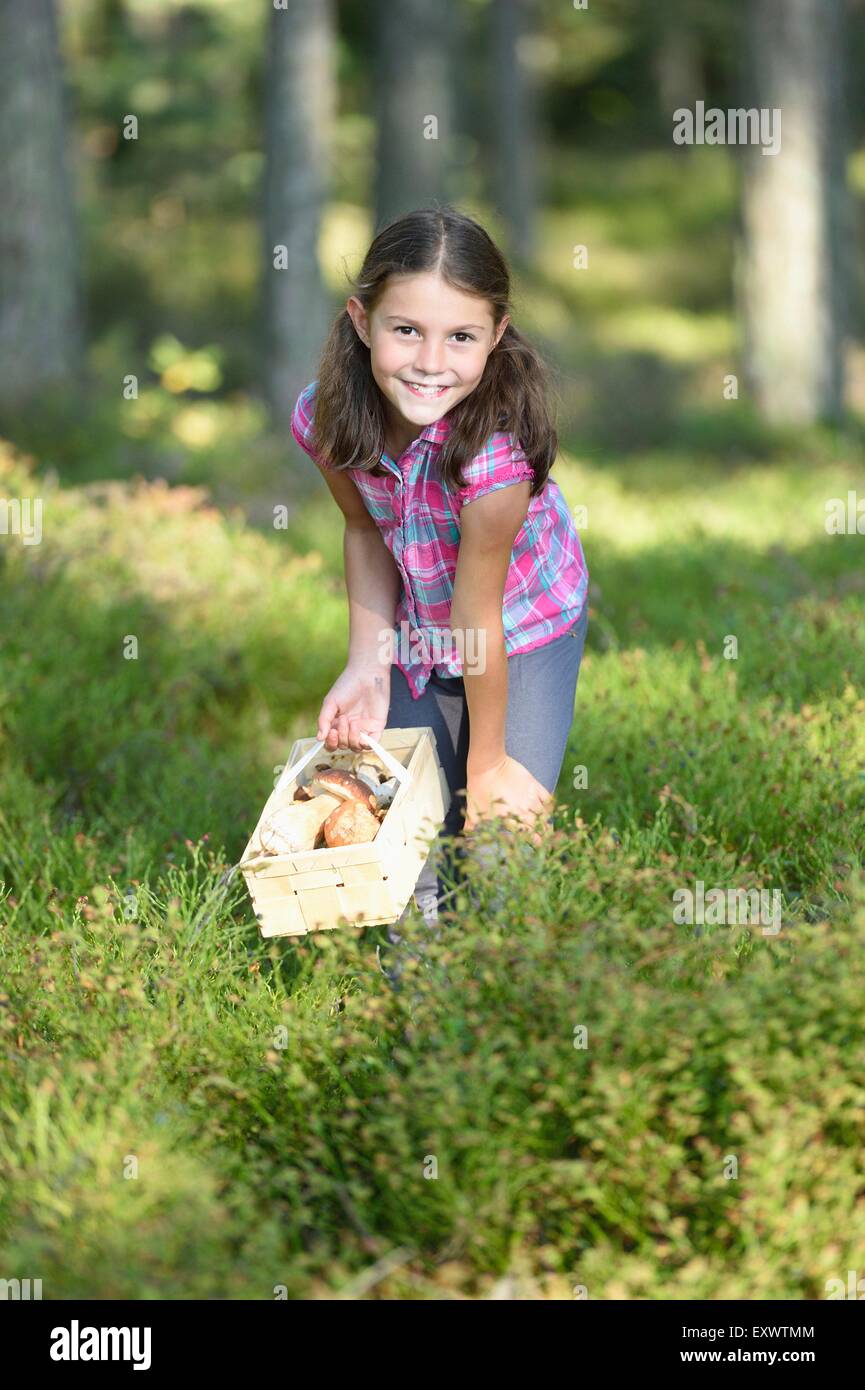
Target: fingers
(342, 730)
(533, 820)
(528, 821)
(325, 719)
(336, 736)
(363, 726)
(345, 732)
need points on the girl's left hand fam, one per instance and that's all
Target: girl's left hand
(507, 789)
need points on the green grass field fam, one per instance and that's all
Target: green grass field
(188, 1112)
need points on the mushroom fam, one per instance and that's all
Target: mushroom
(336, 782)
(352, 823)
(368, 773)
(294, 827)
(366, 757)
(387, 791)
(340, 757)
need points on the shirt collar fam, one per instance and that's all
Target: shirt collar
(438, 431)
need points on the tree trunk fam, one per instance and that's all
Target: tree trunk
(414, 108)
(300, 99)
(795, 213)
(41, 301)
(515, 143)
(676, 61)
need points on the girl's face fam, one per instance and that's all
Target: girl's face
(424, 333)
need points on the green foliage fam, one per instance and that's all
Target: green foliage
(283, 1103)
(189, 1112)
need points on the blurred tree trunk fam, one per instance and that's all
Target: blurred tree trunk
(793, 269)
(515, 136)
(413, 104)
(41, 302)
(300, 100)
(676, 61)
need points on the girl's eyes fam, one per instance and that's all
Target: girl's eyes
(459, 334)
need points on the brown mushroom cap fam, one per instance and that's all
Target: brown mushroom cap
(352, 823)
(334, 781)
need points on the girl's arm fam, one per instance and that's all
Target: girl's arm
(372, 579)
(489, 526)
(496, 783)
(358, 700)
(373, 583)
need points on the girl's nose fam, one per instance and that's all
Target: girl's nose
(431, 363)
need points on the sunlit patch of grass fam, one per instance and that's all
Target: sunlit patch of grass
(345, 234)
(651, 197)
(640, 501)
(671, 334)
(608, 268)
(636, 266)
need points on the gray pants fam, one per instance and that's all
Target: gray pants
(542, 688)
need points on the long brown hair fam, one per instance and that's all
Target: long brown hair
(511, 395)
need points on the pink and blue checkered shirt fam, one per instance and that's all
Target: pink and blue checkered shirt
(419, 518)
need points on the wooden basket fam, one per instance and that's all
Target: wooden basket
(359, 885)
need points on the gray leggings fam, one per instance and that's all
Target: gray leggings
(542, 687)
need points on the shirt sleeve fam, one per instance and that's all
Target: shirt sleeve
(500, 463)
(302, 418)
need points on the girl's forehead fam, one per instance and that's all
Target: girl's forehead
(433, 297)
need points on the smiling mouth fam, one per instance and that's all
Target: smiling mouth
(429, 393)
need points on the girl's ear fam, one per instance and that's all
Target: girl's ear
(359, 318)
(501, 328)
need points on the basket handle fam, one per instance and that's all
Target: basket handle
(289, 772)
(394, 767)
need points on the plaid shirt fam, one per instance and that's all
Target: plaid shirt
(419, 519)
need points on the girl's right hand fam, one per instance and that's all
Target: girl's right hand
(357, 702)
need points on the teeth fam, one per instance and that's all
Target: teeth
(426, 390)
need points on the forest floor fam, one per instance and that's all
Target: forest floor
(579, 1092)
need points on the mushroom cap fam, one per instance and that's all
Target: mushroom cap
(352, 823)
(335, 781)
(294, 826)
(367, 758)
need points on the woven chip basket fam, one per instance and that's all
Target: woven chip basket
(357, 885)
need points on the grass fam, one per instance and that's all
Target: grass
(576, 1093)
(187, 1111)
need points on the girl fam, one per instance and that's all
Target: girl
(467, 586)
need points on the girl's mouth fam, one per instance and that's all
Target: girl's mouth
(425, 393)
